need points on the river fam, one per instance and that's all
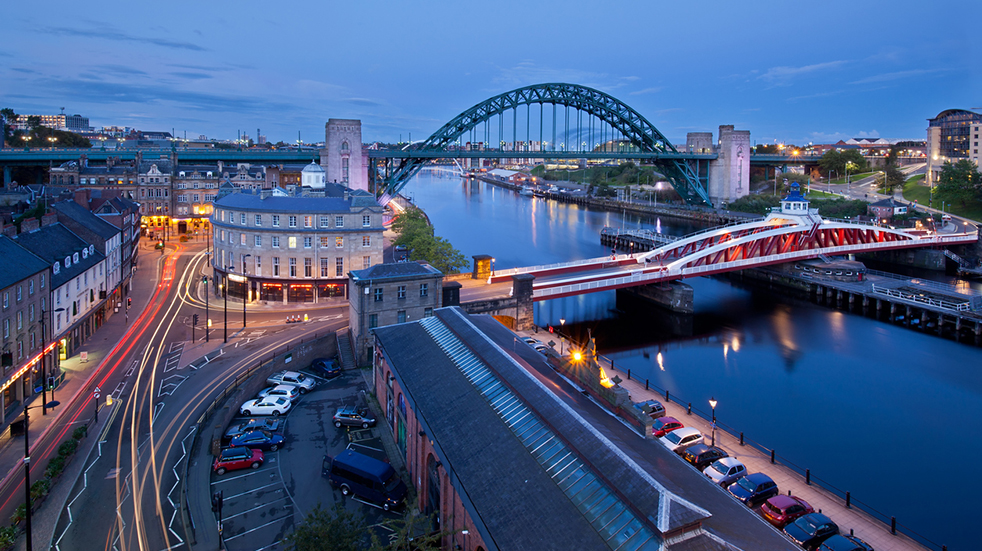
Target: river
(871, 408)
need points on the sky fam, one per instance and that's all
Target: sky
(787, 72)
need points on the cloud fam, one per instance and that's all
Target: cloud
(782, 76)
(25, 70)
(886, 77)
(647, 91)
(362, 101)
(815, 95)
(190, 76)
(111, 34)
(528, 73)
(631, 78)
(120, 70)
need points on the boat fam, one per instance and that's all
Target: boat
(526, 192)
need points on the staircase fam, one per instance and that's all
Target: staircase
(959, 260)
(345, 353)
(825, 258)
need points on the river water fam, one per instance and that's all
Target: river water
(884, 412)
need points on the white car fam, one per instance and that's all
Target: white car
(299, 380)
(265, 406)
(530, 341)
(282, 391)
(680, 439)
(726, 471)
(541, 348)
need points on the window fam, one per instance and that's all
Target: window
(427, 312)
(325, 221)
(401, 292)
(276, 265)
(378, 296)
(325, 268)
(20, 320)
(20, 289)
(31, 314)
(308, 242)
(242, 239)
(339, 267)
(259, 241)
(339, 242)
(276, 220)
(366, 262)
(293, 221)
(6, 299)
(293, 267)
(259, 219)
(222, 239)
(308, 221)
(366, 221)
(6, 329)
(242, 218)
(339, 221)
(372, 321)
(424, 289)
(308, 268)
(30, 288)
(325, 242)
(366, 241)
(276, 242)
(402, 316)
(259, 265)
(291, 242)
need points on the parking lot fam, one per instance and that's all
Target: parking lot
(262, 506)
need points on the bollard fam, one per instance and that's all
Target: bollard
(741, 438)
(772, 457)
(667, 399)
(808, 477)
(893, 525)
(852, 532)
(628, 371)
(789, 492)
(646, 384)
(848, 500)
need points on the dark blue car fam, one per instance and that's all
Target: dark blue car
(258, 440)
(845, 543)
(754, 489)
(811, 530)
(326, 367)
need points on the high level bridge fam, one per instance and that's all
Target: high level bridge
(791, 232)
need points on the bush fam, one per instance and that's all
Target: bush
(40, 489)
(67, 448)
(55, 467)
(80, 432)
(20, 513)
(8, 537)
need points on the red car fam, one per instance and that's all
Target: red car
(782, 510)
(664, 425)
(237, 458)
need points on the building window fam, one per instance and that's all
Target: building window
(276, 220)
(30, 288)
(259, 241)
(6, 329)
(366, 262)
(325, 242)
(259, 265)
(31, 314)
(308, 268)
(372, 321)
(401, 292)
(424, 289)
(276, 242)
(339, 242)
(276, 266)
(20, 320)
(308, 221)
(402, 316)
(293, 267)
(259, 219)
(221, 238)
(20, 292)
(366, 241)
(378, 296)
(325, 268)
(339, 267)
(293, 221)
(366, 221)
(308, 242)
(242, 218)
(427, 312)
(325, 221)
(242, 239)
(6, 299)
(339, 221)
(291, 242)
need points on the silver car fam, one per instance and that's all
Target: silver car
(299, 380)
(726, 471)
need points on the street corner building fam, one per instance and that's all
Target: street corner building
(506, 454)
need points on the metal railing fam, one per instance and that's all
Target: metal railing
(924, 300)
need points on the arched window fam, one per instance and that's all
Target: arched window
(344, 146)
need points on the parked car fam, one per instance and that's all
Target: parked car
(702, 456)
(352, 417)
(665, 425)
(652, 408)
(326, 367)
(268, 424)
(289, 392)
(258, 439)
(811, 530)
(726, 471)
(782, 510)
(265, 406)
(540, 348)
(680, 439)
(754, 489)
(299, 380)
(530, 341)
(231, 459)
(841, 542)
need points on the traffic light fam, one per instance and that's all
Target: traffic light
(216, 502)
(195, 319)
(129, 301)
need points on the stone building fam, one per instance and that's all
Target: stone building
(294, 247)
(342, 158)
(389, 293)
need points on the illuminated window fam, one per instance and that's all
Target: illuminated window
(366, 241)
(325, 242)
(339, 242)
(291, 242)
(308, 221)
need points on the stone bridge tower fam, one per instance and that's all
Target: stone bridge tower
(729, 174)
(342, 158)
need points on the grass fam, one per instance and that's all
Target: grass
(914, 190)
(816, 194)
(853, 177)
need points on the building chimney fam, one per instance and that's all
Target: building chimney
(82, 197)
(48, 219)
(10, 230)
(29, 224)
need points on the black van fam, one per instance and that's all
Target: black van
(366, 477)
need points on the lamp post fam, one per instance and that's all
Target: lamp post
(52, 140)
(204, 279)
(223, 287)
(492, 267)
(245, 289)
(712, 404)
(44, 356)
(562, 322)
(830, 180)
(27, 467)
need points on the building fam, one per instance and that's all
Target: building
(886, 209)
(69, 123)
(195, 187)
(949, 139)
(24, 289)
(154, 190)
(973, 153)
(343, 157)
(389, 293)
(294, 247)
(504, 454)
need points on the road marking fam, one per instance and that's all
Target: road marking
(170, 384)
(112, 473)
(118, 391)
(260, 506)
(131, 369)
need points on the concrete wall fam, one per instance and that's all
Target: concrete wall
(729, 174)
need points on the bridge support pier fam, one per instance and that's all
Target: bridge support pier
(675, 296)
(524, 309)
(6, 176)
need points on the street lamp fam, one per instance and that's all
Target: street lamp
(27, 467)
(204, 280)
(492, 267)
(245, 289)
(223, 287)
(712, 404)
(830, 180)
(44, 355)
(562, 322)
(52, 140)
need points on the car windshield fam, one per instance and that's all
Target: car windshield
(808, 524)
(747, 485)
(673, 437)
(392, 483)
(300, 377)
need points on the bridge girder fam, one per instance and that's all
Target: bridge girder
(628, 122)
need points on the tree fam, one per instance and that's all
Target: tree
(831, 162)
(416, 234)
(894, 178)
(8, 117)
(323, 530)
(33, 122)
(960, 182)
(409, 533)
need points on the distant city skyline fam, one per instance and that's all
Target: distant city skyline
(787, 73)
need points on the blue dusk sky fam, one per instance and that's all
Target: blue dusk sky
(791, 72)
